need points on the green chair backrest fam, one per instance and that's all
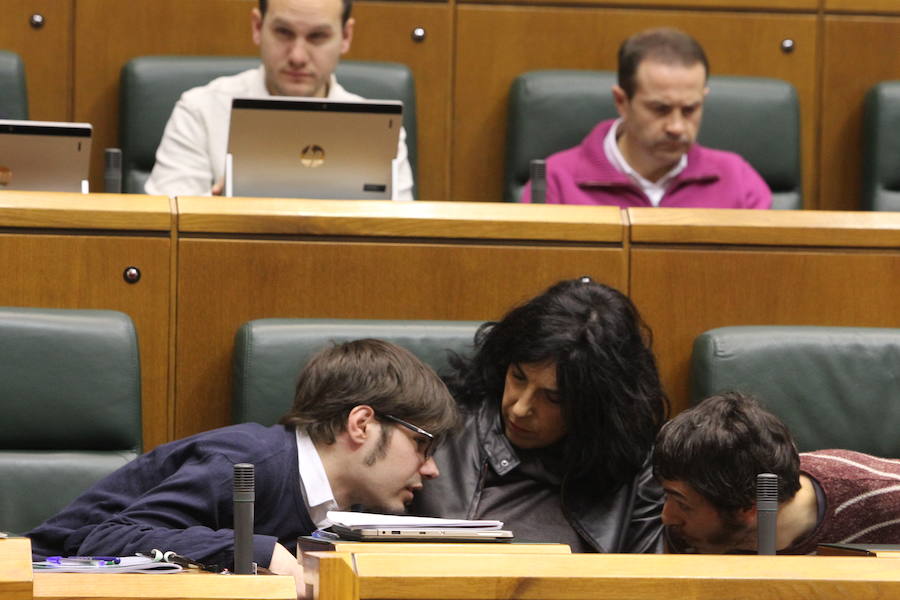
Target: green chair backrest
(881, 148)
(269, 354)
(834, 387)
(755, 117)
(151, 85)
(70, 395)
(13, 93)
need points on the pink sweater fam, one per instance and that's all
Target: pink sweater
(712, 179)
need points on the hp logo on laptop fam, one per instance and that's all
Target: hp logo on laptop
(312, 156)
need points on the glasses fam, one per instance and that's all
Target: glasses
(426, 445)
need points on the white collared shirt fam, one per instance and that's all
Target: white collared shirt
(653, 190)
(317, 492)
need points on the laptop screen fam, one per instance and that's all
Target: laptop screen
(44, 155)
(313, 148)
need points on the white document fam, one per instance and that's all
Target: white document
(361, 520)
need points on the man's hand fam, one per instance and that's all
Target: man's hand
(285, 563)
(218, 188)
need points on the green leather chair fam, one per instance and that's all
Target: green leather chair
(881, 147)
(834, 387)
(70, 396)
(269, 354)
(13, 94)
(756, 117)
(150, 86)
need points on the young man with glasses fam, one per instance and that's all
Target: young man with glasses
(365, 420)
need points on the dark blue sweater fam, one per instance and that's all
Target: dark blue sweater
(179, 497)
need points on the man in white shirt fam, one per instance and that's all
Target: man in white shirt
(300, 43)
(366, 418)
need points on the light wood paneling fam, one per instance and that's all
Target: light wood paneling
(602, 577)
(223, 283)
(400, 219)
(48, 262)
(108, 33)
(785, 5)
(864, 6)
(178, 586)
(15, 568)
(384, 32)
(46, 52)
(790, 228)
(686, 280)
(858, 53)
(296, 258)
(495, 44)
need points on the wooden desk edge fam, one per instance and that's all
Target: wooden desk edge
(45, 210)
(172, 586)
(447, 220)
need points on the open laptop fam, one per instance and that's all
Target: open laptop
(44, 156)
(312, 148)
(431, 534)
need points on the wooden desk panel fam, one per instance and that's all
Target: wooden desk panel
(853, 51)
(694, 270)
(174, 586)
(15, 568)
(601, 577)
(256, 258)
(70, 251)
(224, 283)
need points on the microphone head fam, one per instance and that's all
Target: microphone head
(537, 169)
(244, 482)
(112, 158)
(766, 491)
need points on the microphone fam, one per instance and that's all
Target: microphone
(244, 495)
(112, 171)
(766, 512)
(537, 170)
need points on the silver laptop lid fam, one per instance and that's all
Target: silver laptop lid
(44, 155)
(313, 148)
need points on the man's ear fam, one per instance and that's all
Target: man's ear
(359, 423)
(347, 35)
(747, 515)
(256, 20)
(621, 100)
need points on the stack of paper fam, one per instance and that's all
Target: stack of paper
(125, 564)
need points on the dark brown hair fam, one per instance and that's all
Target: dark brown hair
(375, 373)
(345, 13)
(719, 447)
(613, 403)
(665, 45)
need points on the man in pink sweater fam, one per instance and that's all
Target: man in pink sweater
(648, 156)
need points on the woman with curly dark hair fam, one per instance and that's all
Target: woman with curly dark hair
(562, 402)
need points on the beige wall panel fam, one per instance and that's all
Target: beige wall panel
(109, 33)
(82, 271)
(495, 44)
(684, 292)
(858, 52)
(46, 52)
(224, 283)
(864, 6)
(384, 32)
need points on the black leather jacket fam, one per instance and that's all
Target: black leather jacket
(626, 521)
